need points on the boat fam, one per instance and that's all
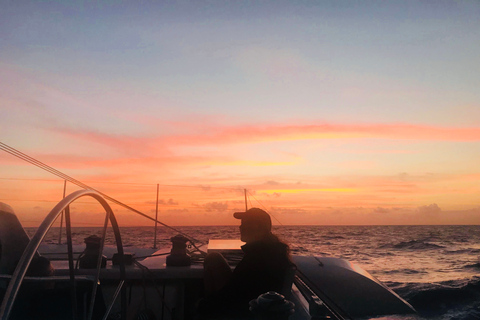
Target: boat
(166, 284)
(319, 287)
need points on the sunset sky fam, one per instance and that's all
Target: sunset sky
(327, 112)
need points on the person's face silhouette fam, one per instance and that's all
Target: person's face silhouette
(250, 231)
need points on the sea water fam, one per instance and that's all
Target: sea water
(434, 268)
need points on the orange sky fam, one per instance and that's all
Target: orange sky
(358, 200)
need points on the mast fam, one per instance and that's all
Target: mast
(156, 219)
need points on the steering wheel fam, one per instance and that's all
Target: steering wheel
(32, 247)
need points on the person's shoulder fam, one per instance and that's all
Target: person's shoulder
(274, 245)
(281, 247)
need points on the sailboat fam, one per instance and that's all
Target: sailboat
(170, 283)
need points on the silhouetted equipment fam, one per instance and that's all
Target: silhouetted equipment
(178, 255)
(272, 306)
(89, 257)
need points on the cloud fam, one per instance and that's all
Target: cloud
(271, 183)
(133, 155)
(381, 210)
(287, 211)
(431, 210)
(219, 207)
(169, 202)
(262, 133)
(138, 146)
(214, 134)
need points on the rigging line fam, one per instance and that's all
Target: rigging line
(261, 204)
(39, 164)
(42, 165)
(239, 189)
(20, 179)
(46, 167)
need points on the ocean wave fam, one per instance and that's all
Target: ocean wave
(433, 299)
(299, 249)
(413, 245)
(404, 271)
(463, 251)
(329, 237)
(472, 266)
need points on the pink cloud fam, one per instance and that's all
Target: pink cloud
(254, 134)
(215, 134)
(135, 155)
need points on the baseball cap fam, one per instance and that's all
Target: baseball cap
(255, 215)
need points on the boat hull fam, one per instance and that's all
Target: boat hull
(347, 289)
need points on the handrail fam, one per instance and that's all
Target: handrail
(32, 247)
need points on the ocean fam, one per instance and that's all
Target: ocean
(434, 268)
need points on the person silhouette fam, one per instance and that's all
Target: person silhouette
(13, 241)
(263, 267)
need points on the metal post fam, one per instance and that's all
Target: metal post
(246, 206)
(156, 219)
(61, 217)
(71, 268)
